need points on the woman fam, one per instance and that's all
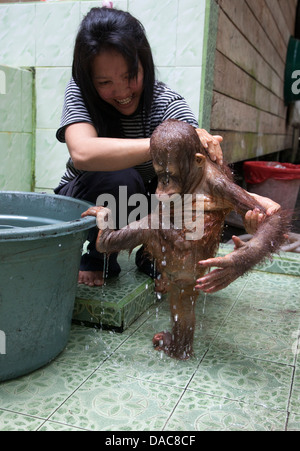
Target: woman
(112, 106)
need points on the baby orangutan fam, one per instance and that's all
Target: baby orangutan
(182, 167)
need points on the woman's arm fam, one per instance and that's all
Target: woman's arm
(91, 153)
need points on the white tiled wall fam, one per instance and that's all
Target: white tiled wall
(42, 35)
(16, 134)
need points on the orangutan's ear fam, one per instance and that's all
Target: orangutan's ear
(200, 159)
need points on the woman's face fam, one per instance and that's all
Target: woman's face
(111, 80)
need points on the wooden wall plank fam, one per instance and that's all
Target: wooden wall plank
(246, 22)
(286, 9)
(276, 12)
(248, 106)
(246, 146)
(231, 114)
(240, 85)
(236, 47)
(268, 23)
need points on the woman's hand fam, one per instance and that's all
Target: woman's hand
(212, 145)
(254, 218)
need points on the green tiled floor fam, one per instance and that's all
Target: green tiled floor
(245, 375)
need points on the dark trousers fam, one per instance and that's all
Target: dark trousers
(88, 186)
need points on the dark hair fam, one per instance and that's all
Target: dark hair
(105, 29)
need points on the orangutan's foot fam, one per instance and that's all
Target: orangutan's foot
(163, 342)
(162, 285)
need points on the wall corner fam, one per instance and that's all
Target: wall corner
(208, 63)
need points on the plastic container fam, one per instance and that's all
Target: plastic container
(41, 238)
(277, 181)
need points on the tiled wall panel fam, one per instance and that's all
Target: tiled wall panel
(16, 137)
(42, 35)
(17, 34)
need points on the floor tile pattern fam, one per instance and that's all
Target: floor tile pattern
(245, 375)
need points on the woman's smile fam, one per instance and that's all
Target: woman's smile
(125, 101)
(111, 80)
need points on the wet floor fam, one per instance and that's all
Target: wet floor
(245, 375)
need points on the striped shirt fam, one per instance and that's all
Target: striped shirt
(166, 104)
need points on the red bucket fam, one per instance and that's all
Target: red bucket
(277, 181)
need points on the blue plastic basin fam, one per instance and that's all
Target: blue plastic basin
(41, 238)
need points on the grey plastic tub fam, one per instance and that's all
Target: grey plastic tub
(41, 238)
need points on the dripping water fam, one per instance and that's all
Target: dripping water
(154, 264)
(204, 303)
(105, 271)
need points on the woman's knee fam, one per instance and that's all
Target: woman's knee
(90, 185)
(129, 178)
